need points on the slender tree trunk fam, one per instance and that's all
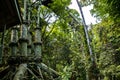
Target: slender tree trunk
(93, 77)
(86, 32)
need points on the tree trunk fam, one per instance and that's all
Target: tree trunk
(49, 70)
(21, 72)
(88, 44)
(86, 32)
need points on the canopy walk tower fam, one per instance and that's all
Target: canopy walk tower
(22, 63)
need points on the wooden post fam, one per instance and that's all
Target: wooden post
(29, 33)
(23, 37)
(29, 43)
(1, 51)
(2, 45)
(14, 41)
(37, 43)
(23, 43)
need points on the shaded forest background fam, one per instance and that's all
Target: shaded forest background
(64, 46)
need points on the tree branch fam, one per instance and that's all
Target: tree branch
(20, 73)
(48, 70)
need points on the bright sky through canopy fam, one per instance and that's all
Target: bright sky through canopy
(86, 11)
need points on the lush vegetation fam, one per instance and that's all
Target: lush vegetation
(64, 45)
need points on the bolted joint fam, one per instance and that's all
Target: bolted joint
(26, 22)
(23, 40)
(37, 43)
(29, 46)
(16, 60)
(38, 60)
(30, 32)
(13, 44)
(15, 28)
(38, 28)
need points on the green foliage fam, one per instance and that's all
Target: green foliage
(64, 44)
(61, 5)
(107, 8)
(106, 47)
(67, 72)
